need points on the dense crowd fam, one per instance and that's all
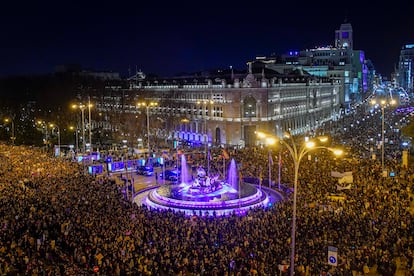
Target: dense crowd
(55, 220)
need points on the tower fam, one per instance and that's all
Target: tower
(343, 36)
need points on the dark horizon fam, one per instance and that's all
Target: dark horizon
(175, 37)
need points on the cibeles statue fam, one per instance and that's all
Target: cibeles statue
(201, 172)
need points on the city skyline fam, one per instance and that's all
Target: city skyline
(175, 37)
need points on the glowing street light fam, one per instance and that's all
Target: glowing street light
(75, 129)
(383, 104)
(44, 124)
(58, 129)
(148, 106)
(12, 137)
(297, 155)
(82, 107)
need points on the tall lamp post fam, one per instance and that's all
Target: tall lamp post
(82, 107)
(383, 104)
(12, 137)
(148, 106)
(205, 111)
(297, 155)
(46, 139)
(75, 129)
(90, 123)
(58, 129)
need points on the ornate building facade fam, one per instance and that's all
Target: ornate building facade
(227, 107)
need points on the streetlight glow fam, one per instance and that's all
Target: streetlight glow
(383, 104)
(338, 152)
(323, 139)
(147, 106)
(270, 140)
(82, 107)
(75, 129)
(12, 137)
(310, 144)
(58, 129)
(297, 154)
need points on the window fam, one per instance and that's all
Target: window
(249, 107)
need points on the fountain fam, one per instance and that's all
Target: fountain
(232, 177)
(185, 177)
(204, 194)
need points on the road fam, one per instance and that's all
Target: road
(140, 181)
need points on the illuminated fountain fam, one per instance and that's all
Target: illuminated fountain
(204, 194)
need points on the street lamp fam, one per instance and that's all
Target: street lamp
(90, 124)
(82, 107)
(56, 126)
(383, 104)
(297, 155)
(44, 124)
(205, 112)
(148, 106)
(76, 137)
(12, 137)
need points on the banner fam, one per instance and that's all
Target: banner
(339, 174)
(336, 174)
(340, 188)
(346, 179)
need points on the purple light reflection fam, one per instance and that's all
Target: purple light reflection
(204, 197)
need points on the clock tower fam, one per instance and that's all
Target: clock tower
(343, 36)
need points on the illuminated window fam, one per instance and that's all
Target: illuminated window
(249, 107)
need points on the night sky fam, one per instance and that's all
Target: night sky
(167, 37)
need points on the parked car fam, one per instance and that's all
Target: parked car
(171, 175)
(145, 170)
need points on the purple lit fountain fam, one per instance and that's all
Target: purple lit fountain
(203, 194)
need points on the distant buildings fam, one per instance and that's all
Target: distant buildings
(297, 92)
(405, 73)
(76, 69)
(226, 107)
(340, 63)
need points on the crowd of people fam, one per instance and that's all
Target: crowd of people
(57, 220)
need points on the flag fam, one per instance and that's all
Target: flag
(283, 267)
(336, 174)
(340, 188)
(225, 154)
(346, 179)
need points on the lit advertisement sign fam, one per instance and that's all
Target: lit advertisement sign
(95, 156)
(96, 169)
(116, 166)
